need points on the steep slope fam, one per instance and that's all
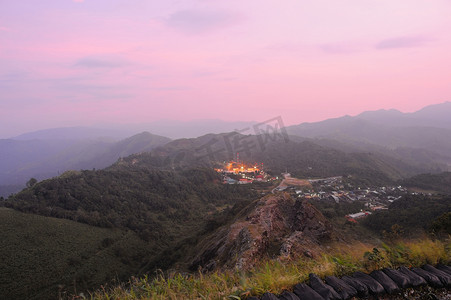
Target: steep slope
(275, 226)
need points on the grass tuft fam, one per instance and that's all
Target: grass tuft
(275, 276)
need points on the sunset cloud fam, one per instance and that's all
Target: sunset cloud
(197, 21)
(340, 48)
(403, 42)
(231, 60)
(101, 62)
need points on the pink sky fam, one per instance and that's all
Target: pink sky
(70, 63)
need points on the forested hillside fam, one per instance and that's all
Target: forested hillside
(170, 199)
(42, 257)
(155, 203)
(439, 183)
(165, 211)
(302, 158)
(413, 215)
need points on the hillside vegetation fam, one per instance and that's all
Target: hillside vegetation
(388, 246)
(167, 204)
(165, 211)
(412, 214)
(301, 158)
(439, 183)
(276, 276)
(41, 257)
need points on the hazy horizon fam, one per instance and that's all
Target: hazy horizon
(84, 62)
(136, 128)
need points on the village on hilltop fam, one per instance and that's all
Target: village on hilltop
(237, 172)
(331, 189)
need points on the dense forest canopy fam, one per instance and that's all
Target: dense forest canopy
(413, 214)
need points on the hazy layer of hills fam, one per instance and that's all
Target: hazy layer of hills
(158, 199)
(170, 128)
(299, 156)
(161, 208)
(384, 145)
(44, 158)
(46, 153)
(422, 137)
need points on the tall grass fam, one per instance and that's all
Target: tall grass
(276, 276)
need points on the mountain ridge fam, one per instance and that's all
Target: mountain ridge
(276, 226)
(428, 129)
(176, 203)
(42, 159)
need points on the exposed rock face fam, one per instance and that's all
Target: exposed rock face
(276, 227)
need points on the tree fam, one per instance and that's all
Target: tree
(442, 224)
(31, 182)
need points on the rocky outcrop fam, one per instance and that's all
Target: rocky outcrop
(277, 226)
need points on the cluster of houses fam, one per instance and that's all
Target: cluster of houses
(333, 190)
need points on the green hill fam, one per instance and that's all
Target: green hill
(147, 210)
(154, 203)
(439, 183)
(300, 157)
(42, 256)
(149, 216)
(413, 214)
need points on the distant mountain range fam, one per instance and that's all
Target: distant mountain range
(44, 158)
(75, 133)
(301, 157)
(422, 137)
(170, 128)
(162, 205)
(49, 152)
(420, 140)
